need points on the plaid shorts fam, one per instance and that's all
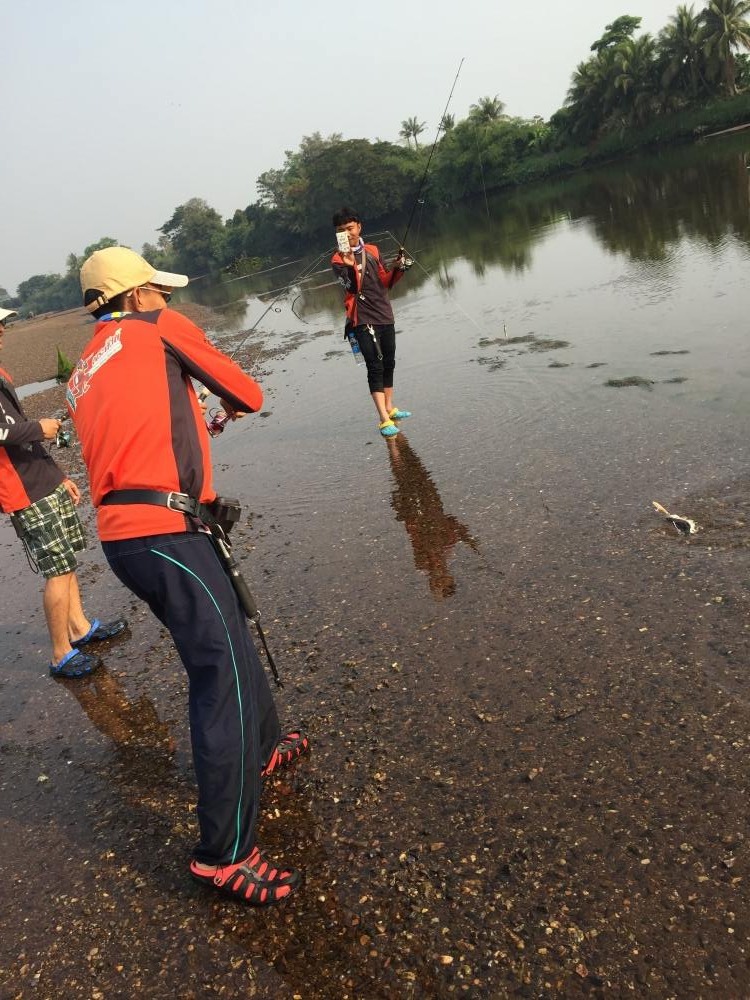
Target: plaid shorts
(51, 533)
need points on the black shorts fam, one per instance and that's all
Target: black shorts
(378, 347)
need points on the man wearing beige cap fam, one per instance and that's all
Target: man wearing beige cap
(147, 450)
(41, 502)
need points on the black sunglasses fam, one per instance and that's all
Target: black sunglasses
(165, 295)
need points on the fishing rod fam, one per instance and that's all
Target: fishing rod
(441, 127)
(225, 511)
(220, 417)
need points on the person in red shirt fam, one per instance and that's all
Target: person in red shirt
(41, 501)
(147, 451)
(369, 316)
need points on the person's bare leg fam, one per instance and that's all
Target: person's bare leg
(56, 603)
(378, 399)
(388, 400)
(78, 623)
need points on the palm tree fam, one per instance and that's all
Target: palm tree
(636, 78)
(725, 28)
(411, 128)
(447, 122)
(681, 49)
(486, 110)
(591, 95)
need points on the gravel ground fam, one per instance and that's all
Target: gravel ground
(568, 821)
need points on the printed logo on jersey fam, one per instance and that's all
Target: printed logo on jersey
(87, 367)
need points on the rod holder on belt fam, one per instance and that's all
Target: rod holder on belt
(238, 581)
(242, 590)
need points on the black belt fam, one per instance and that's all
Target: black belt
(180, 502)
(184, 504)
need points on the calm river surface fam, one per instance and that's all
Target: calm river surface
(528, 693)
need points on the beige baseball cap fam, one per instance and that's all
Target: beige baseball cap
(5, 313)
(118, 269)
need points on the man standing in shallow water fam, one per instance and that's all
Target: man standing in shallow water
(151, 482)
(369, 316)
(41, 502)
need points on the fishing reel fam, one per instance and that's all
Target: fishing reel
(402, 261)
(62, 439)
(217, 423)
(217, 418)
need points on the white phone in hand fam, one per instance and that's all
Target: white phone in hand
(343, 242)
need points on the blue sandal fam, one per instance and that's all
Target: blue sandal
(397, 414)
(388, 428)
(100, 631)
(75, 664)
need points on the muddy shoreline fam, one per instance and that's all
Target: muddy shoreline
(528, 774)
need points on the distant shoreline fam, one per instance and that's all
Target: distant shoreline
(29, 352)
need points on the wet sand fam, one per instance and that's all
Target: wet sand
(528, 774)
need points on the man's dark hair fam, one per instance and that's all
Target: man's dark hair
(345, 215)
(115, 304)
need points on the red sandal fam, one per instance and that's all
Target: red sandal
(254, 881)
(288, 749)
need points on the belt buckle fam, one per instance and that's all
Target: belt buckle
(180, 502)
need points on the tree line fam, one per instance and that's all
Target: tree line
(632, 90)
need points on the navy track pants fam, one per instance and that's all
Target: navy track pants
(234, 727)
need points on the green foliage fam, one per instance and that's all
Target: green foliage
(42, 293)
(159, 254)
(630, 81)
(473, 157)
(725, 28)
(195, 237)
(410, 129)
(486, 111)
(64, 366)
(682, 63)
(376, 177)
(619, 31)
(54, 292)
(74, 262)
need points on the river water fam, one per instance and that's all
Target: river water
(525, 687)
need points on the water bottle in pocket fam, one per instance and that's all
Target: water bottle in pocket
(356, 350)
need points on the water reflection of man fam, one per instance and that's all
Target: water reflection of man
(432, 532)
(127, 723)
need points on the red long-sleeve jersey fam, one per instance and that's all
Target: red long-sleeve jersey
(138, 418)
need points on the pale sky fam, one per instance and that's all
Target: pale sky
(112, 114)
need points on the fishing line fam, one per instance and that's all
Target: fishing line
(483, 331)
(307, 272)
(481, 171)
(458, 305)
(219, 417)
(323, 270)
(255, 274)
(440, 129)
(297, 281)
